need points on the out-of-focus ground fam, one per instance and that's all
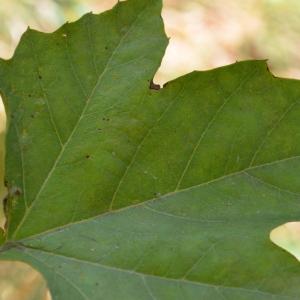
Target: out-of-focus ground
(20, 282)
(287, 236)
(204, 34)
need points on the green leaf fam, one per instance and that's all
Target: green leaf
(118, 191)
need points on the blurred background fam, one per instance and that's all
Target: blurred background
(204, 34)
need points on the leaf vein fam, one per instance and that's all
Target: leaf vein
(61, 275)
(140, 145)
(117, 269)
(209, 124)
(273, 127)
(58, 228)
(78, 122)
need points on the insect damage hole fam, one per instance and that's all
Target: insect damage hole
(154, 86)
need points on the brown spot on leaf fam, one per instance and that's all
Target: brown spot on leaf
(18, 192)
(154, 86)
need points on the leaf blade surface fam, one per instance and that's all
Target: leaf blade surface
(130, 193)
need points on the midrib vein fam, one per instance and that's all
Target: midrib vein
(143, 203)
(139, 274)
(64, 146)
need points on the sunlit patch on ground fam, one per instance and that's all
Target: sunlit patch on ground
(19, 281)
(287, 236)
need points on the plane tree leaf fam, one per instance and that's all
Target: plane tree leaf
(120, 191)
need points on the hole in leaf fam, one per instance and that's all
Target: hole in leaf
(154, 86)
(16, 277)
(287, 236)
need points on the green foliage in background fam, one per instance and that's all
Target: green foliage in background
(118, 191)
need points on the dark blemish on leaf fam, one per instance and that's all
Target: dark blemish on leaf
(29, 95)
(18, 192)
(87, 237)
(5, 206)
(15, 191)
(5, 202)
(269, 71)
(99, 129)
(105, 119)
(106, 48)
(32, 116)
(40, 77)
(97, 283)
(87, 156)
(154, 86)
